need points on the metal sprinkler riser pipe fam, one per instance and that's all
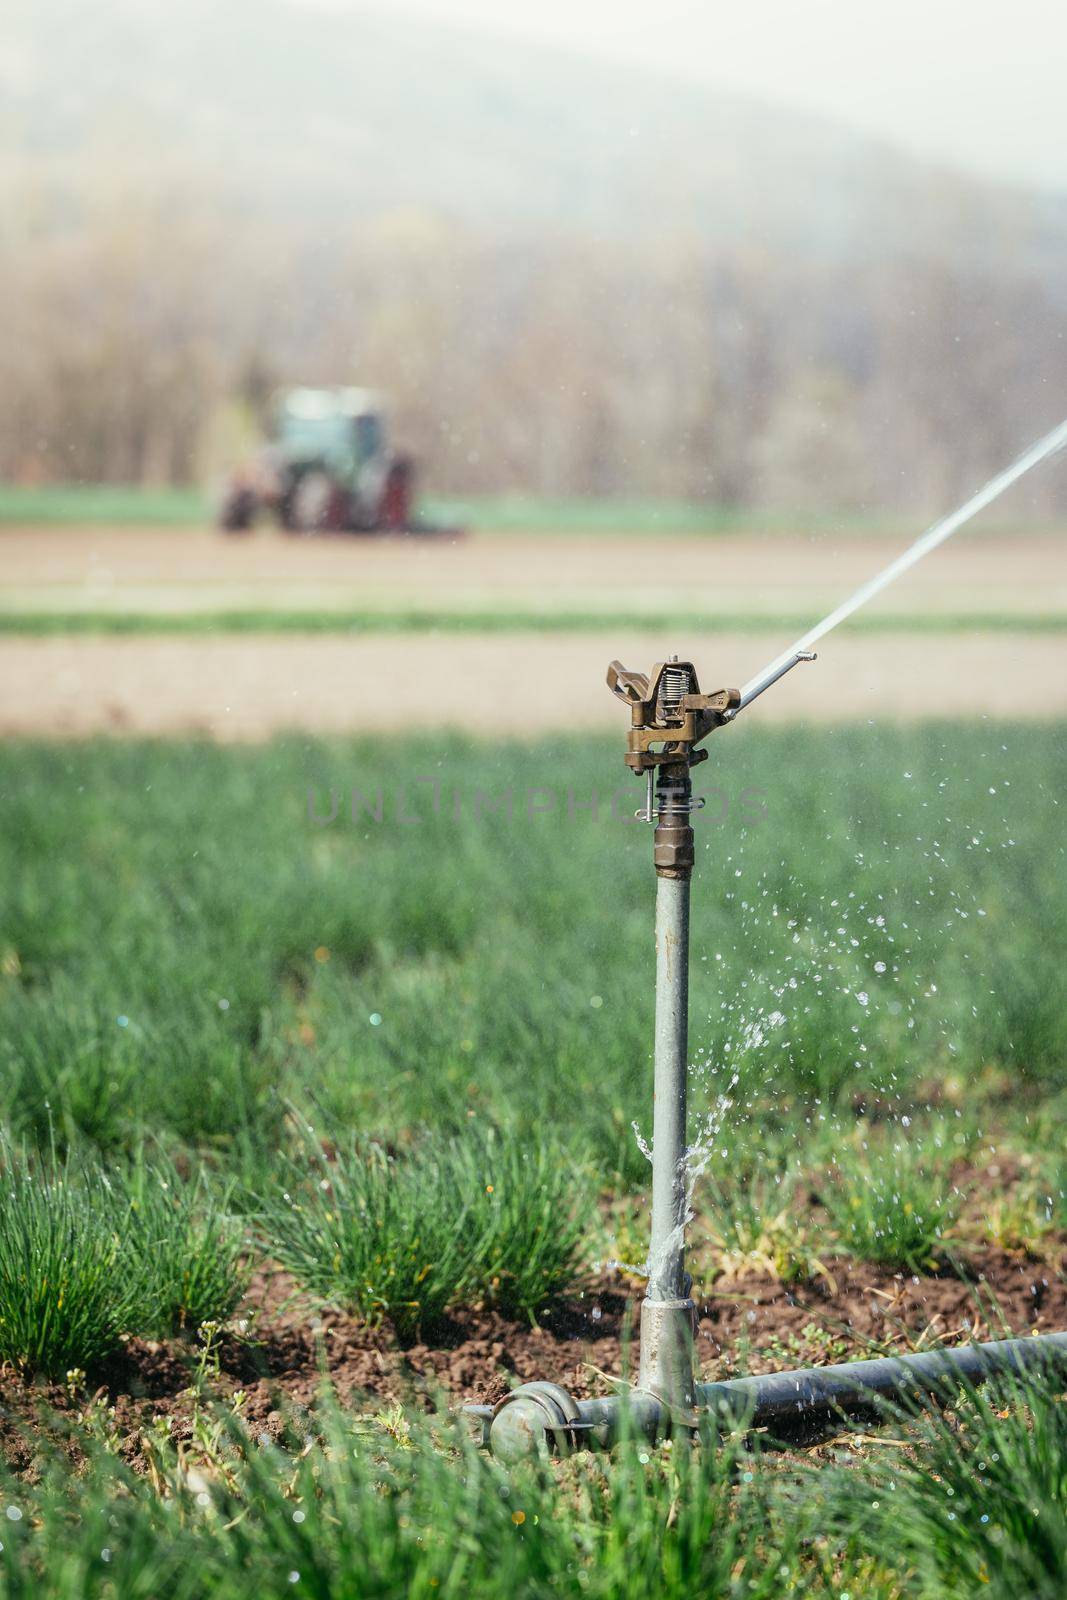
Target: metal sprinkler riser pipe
(668, 718)
(668, 1316)
(674, 866)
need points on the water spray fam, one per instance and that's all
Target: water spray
(936, 535)
(669, 720)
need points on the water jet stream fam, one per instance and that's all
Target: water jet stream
(934, 536)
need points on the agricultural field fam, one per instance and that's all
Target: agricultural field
(325, 1034)
(126, 505)
(420, 433)
(322, 1060)
(182, 631)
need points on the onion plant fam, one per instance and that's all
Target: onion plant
(974, 1503)
(69, 1286)
(482, 1217)
(373, 1234)
(193, 1247)
(89, 1254)
(430, 1518)
(892, 1206)
(531, 1202)
(752, 1223)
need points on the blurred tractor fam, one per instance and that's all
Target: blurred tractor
(327, 468)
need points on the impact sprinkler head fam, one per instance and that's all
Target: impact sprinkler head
(669, 717)
(668, 710)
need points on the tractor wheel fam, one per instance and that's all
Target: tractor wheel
(394, 514)
(238, 510)
(318, 505)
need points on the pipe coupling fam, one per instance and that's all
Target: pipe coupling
(673, 849)
(668, 1334)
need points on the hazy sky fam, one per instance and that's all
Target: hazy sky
(981, 83)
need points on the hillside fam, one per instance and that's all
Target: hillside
(570, 276)
(320, 113)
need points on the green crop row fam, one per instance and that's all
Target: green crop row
(119, 504)
(945, 1507)
(89, 1255)
(393, 936)
(97, 623)
(93, 1252)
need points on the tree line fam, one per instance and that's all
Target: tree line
(144, 333)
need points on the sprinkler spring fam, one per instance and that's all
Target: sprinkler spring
(673, 687)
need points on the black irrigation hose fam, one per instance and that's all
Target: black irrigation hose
(817, 1392)
(540, 1416)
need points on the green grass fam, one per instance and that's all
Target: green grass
(183, 951)
(893, 1205)
(60, 505)
(194, 1247)
(69, 1288)
(415, 1522)
(530, 1215)
(372, 1235)
(942, 1507)
(487, 1218)
(975, 1503)
(106, 624)
(428, 1516)
(524, 513)
(751, 1220)
(461, 1009)
(89, 1254)
(117, 504)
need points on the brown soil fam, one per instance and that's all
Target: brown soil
(136, 569)
(249, 687)
(752, 1322)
